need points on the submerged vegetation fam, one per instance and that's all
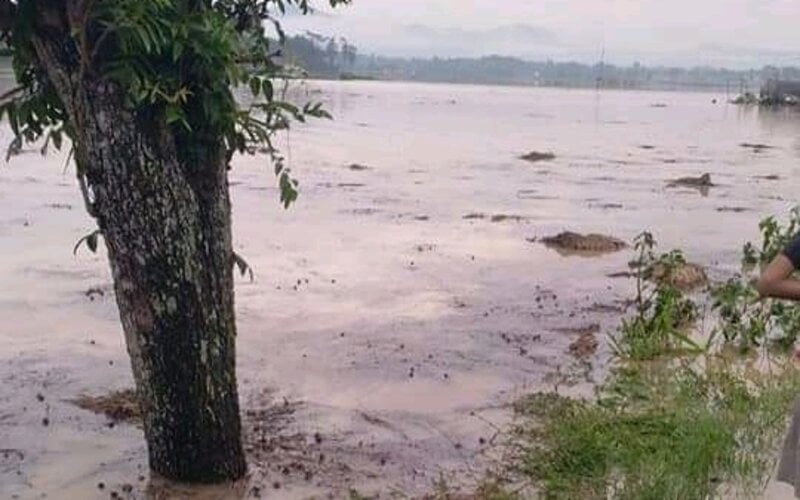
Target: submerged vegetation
(681, 415)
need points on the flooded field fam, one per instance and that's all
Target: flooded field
(406, 300)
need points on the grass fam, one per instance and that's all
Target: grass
(674, 432)
(663, 314)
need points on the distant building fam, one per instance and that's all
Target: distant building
(776, 91)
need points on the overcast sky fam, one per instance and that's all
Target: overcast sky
(734, 33)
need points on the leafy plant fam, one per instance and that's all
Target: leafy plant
(663, 313)
(176, 61)
(774, 237)
(744, 318)
(656, 432)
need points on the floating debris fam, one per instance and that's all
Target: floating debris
(535, 156)
(606, 308)
(533, 194)
(504, 217)
(608, 206)
(704, 181)
(474, 216)
(495, 218)
(59, 206)
(94, 292)
(733, 209)
(364, 211)
(621, 274)
(358, 167)
(580, 330)
(756, 147)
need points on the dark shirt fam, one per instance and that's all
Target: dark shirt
(792, 251)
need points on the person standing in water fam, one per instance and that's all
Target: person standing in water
(778, 281)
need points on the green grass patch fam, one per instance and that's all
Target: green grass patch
(667, 433)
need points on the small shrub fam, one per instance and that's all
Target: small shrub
(744, 319)
(663, 313)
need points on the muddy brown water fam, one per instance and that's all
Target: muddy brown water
(385, 335)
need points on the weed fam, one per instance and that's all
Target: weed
(745, 319)
(675, 432)
(663, 313)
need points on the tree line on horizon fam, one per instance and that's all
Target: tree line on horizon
(327, 57)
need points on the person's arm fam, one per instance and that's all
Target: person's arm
(776, 279)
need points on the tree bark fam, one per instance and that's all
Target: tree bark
(167, 228)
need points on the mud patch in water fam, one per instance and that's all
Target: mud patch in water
(536, 156)
(59, 206)
(118, 406)
(607, 206)
(756, 147)
(532, 194)
(363, 211)
(702, 183)
(506, 217)
(585, 346)
(579, 330)
(685, 277)
(569, 243)
(621, 274)
(11, 460)
(605, 308)
(496, 217)
(733, 209)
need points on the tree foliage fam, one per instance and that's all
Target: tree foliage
(321, 55)
(178, 61)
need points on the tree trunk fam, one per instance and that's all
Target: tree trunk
(167, 228)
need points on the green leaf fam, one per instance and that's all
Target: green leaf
(268, 90)
(56, 135)
(177, 50)
(173, 113)
(90, 240)
(255, 85)
(244, 267)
